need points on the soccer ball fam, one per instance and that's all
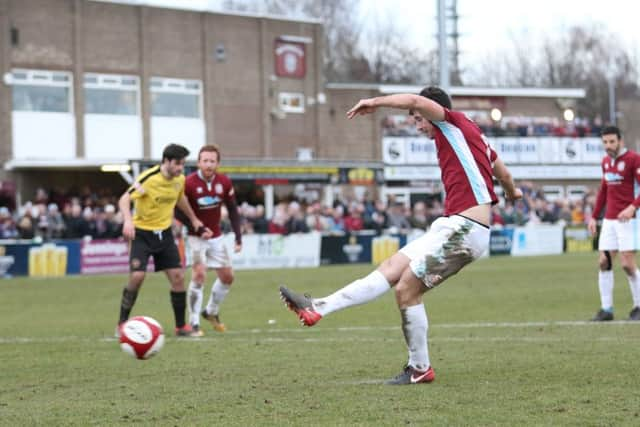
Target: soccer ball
(141, 337)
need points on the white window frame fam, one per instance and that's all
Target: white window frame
(174, 85)
(36, 77)
(284, 102)
(116, 82)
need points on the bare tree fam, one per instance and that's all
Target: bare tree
(584, 56)
(392, 60)
(587, 57)
(342, 34)
(380, 55)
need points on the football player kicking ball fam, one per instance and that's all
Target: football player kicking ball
(206, 190)
(468, 165)
(620, 172)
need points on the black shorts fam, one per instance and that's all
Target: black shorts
(159, 244)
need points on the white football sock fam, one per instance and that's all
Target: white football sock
(219, 291)
(634, 285)
(194, 298)
(605, 283)
(415, 326)
(355, 293)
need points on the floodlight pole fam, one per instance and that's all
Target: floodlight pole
(612, 98)
(442, 46)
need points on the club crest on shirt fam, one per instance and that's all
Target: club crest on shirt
(177, 186)
(199, 190)
(218, 188)
(621, 166)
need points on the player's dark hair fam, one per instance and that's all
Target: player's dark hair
(210, 148)
(174, 152)
(611, 130)
(437, 95)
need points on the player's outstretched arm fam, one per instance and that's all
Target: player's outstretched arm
(503, 175)
(429, 109)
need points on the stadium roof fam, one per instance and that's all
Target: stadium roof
(206, 9)
(72, 164)
(522, 92)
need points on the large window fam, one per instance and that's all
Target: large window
(111, 94)
(176, 98)
(42, 91)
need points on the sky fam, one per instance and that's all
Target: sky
(490, 25)
(487, 26)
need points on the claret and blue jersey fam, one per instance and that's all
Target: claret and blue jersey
(465, 159)
(619, 185)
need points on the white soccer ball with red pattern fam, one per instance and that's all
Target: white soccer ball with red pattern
(141, 337)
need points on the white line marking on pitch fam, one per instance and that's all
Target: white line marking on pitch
(235, 335)
(321, 339)
(441, 325)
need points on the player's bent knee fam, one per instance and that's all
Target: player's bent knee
(199, 278)
(629, 265)
(606, 263)
(409, 290)
(136, 278)
(198, 273)
(393, 268)
(227, 279)
(176, 277)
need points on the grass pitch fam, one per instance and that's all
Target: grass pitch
(508, 342)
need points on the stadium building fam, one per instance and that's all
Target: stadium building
(92, 91)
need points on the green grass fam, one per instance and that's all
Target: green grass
(506, 341)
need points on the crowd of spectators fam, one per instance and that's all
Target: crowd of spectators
(540, 126)
(56, 215)
(343, 217)
(517, 126)
(95, 216)
(534, 208)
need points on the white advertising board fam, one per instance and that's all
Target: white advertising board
(263, 251)
(549, 150)
(539, 239)
(421, 151)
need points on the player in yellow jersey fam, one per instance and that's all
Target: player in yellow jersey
(155, 194)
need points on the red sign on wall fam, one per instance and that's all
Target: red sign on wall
(290, 59)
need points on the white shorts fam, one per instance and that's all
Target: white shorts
(618, 236)
(211, 252)
(450, 244)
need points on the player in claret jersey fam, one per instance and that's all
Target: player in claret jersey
(620, 173)
(468, 165)
(206, 190)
